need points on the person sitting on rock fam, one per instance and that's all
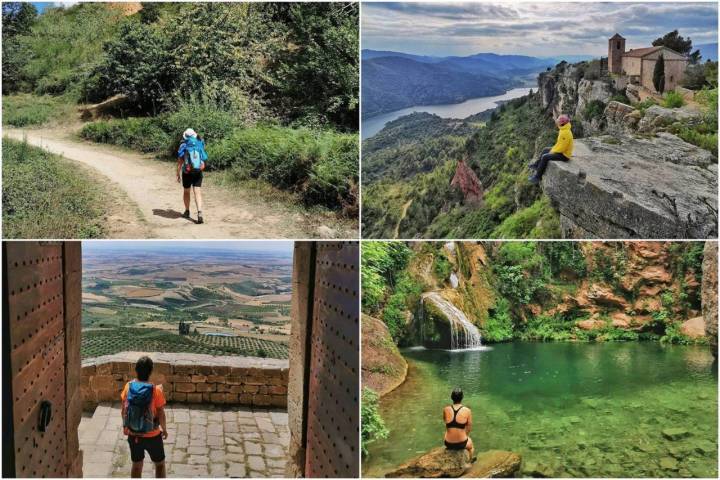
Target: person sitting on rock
(458, 422)
(562, 150)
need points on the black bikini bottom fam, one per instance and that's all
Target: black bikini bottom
(456, 445)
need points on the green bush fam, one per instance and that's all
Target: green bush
(381, 263)
(44, 196)
(139, 133)
(372, 424)
(564, 257)
(441, 266)
(673, 100)
(594, 109)
(499, 326)
(406, 293)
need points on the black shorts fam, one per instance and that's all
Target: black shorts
(456, 445)
(192, 179)
(153, 445)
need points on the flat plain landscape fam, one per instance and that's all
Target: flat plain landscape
(233, 303)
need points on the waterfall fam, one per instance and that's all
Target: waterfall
(463, 334)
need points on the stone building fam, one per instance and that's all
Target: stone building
(638, 64)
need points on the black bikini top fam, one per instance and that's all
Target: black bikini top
(454, 423)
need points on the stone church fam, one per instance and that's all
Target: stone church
(638, 64)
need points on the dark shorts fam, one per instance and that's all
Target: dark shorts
(192, 179)
(456, 445)
(153, 445)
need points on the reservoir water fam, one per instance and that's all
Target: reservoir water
(570, 409)
(373, 125)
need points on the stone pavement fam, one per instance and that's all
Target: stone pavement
(204, 441)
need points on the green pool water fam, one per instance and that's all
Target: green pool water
(570, 410)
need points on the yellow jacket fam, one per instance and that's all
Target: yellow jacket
(564, 143)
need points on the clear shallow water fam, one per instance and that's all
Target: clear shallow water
(570, 410)
(373, 125)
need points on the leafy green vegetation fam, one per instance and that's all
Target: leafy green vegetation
(673, 100)
(704, 134)
(271, 87)
(407, 165)
(45, 196)
(373, 427)
(594, 109)
(499, 325)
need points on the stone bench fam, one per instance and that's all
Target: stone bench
(190, 378)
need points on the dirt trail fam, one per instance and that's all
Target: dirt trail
(403, 213)
(152, 187)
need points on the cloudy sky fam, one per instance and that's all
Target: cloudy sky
(537, 29)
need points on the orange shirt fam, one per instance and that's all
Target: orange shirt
(158, 401)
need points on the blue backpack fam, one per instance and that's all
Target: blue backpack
(195, 155)
(138, 414)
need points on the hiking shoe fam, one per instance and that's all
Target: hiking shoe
(533, 166)
(534, 179)
(200, 218)
(186, 214)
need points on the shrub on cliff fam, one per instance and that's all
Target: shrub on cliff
(372, 424)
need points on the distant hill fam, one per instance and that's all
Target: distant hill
(395, 80)
(709, 51)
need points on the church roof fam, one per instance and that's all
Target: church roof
(641, 52)
(617, 35)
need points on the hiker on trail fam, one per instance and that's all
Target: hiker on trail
(144, 423)
(458, 422)
(191, 163)
(562, 150)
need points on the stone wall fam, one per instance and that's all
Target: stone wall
(190, 378)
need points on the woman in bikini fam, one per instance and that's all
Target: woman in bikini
(458, 422)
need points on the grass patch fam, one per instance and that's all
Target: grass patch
(539, 220)
(45, 196)
(24, 110)
(673, 100)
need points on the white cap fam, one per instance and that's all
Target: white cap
(189, 133)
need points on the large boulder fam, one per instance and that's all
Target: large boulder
(383, 368)
(709, 293)
(694, 327)
(657, 118)
(621, 118)
(629, 187)
(443, 463)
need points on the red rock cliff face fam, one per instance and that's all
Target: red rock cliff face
(710, 293)
(644, 272)
(468, 183)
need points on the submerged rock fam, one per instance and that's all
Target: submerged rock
(443, 463)
(632, 187)
(437, 463)
(668, 463)
(675, 433)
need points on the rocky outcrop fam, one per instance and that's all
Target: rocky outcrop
(645, 271)
(623, 186)
(657, 118)
(383, 368)
(621, 118)
(468, 183)
(443, 463)
(565, 90)
(445, 325)
(709, 293)
(693, 328)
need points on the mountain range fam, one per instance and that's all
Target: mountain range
(395, 80)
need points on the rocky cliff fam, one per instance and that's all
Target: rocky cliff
(383, 368)
(628, 177)
(710, 293)
(645, 280)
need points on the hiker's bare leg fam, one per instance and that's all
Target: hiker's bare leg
(470, 447)
(198, 198)
(160, 469)
(136, 469)
(186, 198)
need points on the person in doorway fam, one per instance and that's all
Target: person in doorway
(144, 422)
(190, 167)
(458, 423)
(562, 150)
